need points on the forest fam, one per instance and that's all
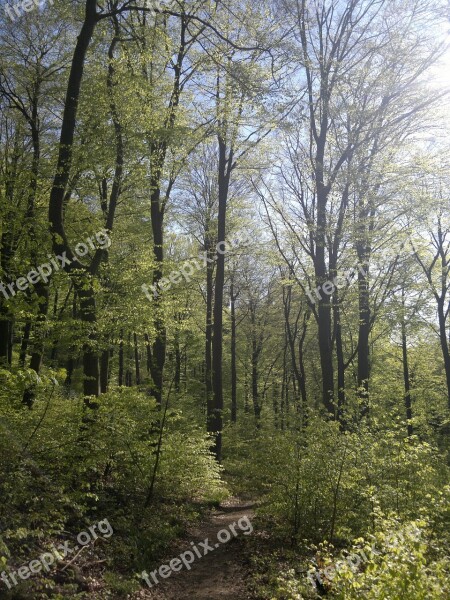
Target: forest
(225, 299)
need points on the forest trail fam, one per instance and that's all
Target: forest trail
(219, 575)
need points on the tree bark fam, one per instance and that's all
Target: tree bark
(149, 352)
(104, 370)
(121, 359)
(177, 377)
(363, 342)
(136, 360)
(37, 355)
(256, 351)
(85, 290)
(339, 359)
(215, 424)
(233, 298)
(324, 304)
(406, 379)
(91, 361)
(444, 344)
(157, 209)
(24, 343)
(209, 332)
(6, 329)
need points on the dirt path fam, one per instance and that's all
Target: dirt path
(219, 575)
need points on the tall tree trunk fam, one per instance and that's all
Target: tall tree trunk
(365, 227)
(233, 298)
(37, 355)
(24, 343)
(290, 341)
(246, 388)
(284, 390)
(177, 377)
(256, 351)
(255, 380)
(185, 369)
(121, 359)
(149, 352)
(363, 341)
(136, 360)
(215, 424)
(91, 360)
(339, 359)
(129, 359)
(54, 352)
(209, 333)
(406, 378)
(41, 289)
(301, 360)
(104, 367)
(444, 344)
(58, 199)
(275, 404)
(8, 247)
(85, 289)
(71, 360)
(6, 329)
(159, 344)
(157, 209)
(322, 275)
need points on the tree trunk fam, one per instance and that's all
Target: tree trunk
(283, 391)
(444, 345)
(157, 208)
(24, 343)
(71, 361)
(91, 367)
(275, 403)
(363, 340)
(256, 351)
(215, 424)
(5, 335)
(8, 246)
(290, 340)
(104, 370)
(177, 377)
(406, 379)
(301, 360)
(159, 344)
(255, 391)
(233, 298)
(136, 360)
(120, 381)
(42, 291)
(91, 362)
(149, 353)
(128, 374)
(321, 273)
(158, 350)
(209, 335)
(246, 390)
(339, 359)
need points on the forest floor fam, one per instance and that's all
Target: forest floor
(219, 575)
